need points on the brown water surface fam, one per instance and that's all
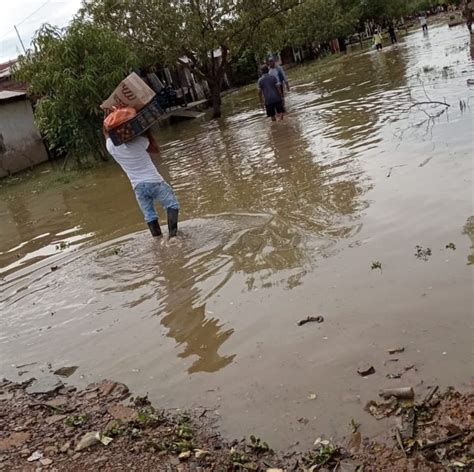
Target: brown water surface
(279, 221)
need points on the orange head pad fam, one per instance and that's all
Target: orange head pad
(118, 117)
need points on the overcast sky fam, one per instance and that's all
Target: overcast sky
(23, 14)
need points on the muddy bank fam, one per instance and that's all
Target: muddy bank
(104, 428)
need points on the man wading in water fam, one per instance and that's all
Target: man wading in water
(269, 92)
(148, 184)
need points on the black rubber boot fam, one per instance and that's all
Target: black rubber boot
(172, 222)
(155, 229)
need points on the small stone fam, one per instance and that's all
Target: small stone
(51, 450)
(396, 350)
(47, 384)
(57, 402)
(88, 440)
(124, 413)
(76, 456)
(91, 395)
(55, 418)
(46, 462)
(184, 455)
(6, 396)
(65, 447)
(250, 466)
(66, 371)
(174, 460)
(116, 389)
(35, 456)
(200, 453)
(366, 370)
(14, 440)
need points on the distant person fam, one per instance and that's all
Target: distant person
(278, 72)
(392, 33)
(147, 183)
(378, 40)
(270, 94)
(423, 21)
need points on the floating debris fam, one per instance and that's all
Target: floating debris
(376, 265)
(366, 370)
(311, 319)
(406, 393)
(66, 371)
(422, 253)
(396, 350)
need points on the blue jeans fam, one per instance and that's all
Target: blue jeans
(148, 193)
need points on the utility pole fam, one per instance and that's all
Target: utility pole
(19, 37)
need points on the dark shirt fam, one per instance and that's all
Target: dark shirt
(268, 84)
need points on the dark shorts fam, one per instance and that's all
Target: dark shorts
(274, 108)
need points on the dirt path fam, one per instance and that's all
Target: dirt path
(103, 428)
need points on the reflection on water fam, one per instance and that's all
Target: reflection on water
(469, 231)
(263, 204)
(171, 280)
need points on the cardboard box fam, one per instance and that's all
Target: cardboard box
(131, 92)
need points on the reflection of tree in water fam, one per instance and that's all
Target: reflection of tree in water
(469, 230)
(322, 198)
(361, 94)
(186, 322)
(280, 174)
(20, 213)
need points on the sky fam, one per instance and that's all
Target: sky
(28, 16)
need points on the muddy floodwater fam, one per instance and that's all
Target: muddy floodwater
(279, 222)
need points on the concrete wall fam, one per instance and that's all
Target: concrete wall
(21, 146)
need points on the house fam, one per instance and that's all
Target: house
(21, 145)
(6, 81)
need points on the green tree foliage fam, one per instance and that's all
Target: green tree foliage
(245, 69)
(213, 34)
(72, 71)
(379, 10)
(317, 21)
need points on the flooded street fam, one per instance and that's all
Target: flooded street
(279, 221)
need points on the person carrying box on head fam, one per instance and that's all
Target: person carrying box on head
(149, 186)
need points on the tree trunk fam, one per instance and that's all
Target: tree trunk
(215, 87)
(342, 44)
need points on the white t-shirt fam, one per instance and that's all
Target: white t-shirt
(134, 159)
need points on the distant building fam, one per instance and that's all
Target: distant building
(6, 81)
(21, 145)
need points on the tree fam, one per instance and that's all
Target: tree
(380, 10)
(321, 20)
(211, 33)
(72, 71)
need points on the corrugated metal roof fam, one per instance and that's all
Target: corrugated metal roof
(9, 94)
(6, 68)
(5, 72)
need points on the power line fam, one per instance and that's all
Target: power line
(24, 19)
(31, 14)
